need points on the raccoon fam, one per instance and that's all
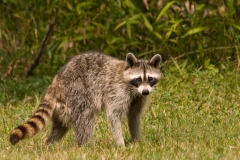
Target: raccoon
(88, 83)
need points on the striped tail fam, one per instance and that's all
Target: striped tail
(34, 125)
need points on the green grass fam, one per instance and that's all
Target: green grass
(191, 115)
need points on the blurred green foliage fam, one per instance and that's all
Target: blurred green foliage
(207, 33)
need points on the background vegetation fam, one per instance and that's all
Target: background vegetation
(194, 111)
(204, 32)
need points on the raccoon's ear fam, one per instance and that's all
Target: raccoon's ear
(156, 60)
(131, 59)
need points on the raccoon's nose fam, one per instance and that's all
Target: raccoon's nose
(145, 92)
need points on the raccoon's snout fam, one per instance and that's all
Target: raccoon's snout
(145, 92)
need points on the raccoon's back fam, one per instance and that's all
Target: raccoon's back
(87, 77)
(91, 68)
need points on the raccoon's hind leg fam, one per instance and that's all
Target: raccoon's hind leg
(84, 126)
(57, 132)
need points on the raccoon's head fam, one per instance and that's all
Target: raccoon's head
(142, 74)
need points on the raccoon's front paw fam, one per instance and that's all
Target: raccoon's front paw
(120, 143)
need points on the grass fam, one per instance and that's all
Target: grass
(191, 115)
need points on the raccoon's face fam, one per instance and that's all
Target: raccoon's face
(142, 74)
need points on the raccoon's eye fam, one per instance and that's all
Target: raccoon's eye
(138, 79)
(136, 82)
(150, 79)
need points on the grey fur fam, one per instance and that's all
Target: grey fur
(88, 83)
